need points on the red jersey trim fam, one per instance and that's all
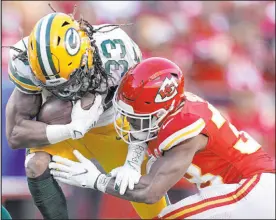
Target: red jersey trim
(215, 202)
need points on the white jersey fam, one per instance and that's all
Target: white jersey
(118, 53)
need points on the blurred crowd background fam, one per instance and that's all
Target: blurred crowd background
(225, 48)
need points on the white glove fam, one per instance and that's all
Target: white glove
(84, 120)
(130, 173)
(126, 177)
(81, 174)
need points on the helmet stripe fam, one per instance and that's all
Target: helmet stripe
(38, 50)
(43, 46)
(48, 48)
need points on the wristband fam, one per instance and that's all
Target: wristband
(102, 182)
(57, 133)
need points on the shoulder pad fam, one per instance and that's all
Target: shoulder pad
(178, 128)
(20, 73)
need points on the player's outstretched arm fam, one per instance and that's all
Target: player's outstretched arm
(21, 130)
(164, 173)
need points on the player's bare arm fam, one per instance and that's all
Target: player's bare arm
(164, 173)
(22, 131)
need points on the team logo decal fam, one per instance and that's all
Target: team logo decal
(72, 41)
(167, 90)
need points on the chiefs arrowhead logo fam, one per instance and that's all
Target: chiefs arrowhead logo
(167, 90)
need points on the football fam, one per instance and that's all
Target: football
(55, 111)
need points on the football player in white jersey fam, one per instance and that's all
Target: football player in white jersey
(67, 58)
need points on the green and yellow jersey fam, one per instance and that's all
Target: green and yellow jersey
(118, 53)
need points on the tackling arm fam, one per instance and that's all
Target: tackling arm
(164, 173)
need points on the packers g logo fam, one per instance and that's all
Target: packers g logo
(72, 41)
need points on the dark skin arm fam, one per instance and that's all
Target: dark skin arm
(164, 173)
(21, 131)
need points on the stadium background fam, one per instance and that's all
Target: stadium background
(225, 49)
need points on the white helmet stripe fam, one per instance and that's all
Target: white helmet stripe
(43, 45)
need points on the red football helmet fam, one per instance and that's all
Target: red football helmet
(148, 93)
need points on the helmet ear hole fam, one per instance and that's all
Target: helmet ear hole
(69, 63)
(32, 45)
(65, 23)
(58, 41)
(174, 75)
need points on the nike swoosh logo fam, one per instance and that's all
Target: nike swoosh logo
(165, 125)
(77, 133)
(119, 138)
(84, 172)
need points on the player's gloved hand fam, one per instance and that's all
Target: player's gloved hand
(81, 174)
(84, 120)
(129, 174)
(126, 177)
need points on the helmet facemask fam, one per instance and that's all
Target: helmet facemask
(143, 127)
(76, 86)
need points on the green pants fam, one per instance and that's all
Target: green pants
(5, 213)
